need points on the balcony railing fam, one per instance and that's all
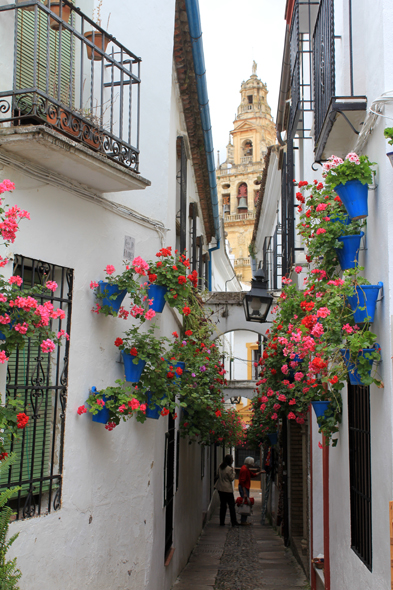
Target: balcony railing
(64, 71)
(239, 217)
(242, 262)
(246, 160)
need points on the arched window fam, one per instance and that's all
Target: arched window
(247, 148)
(242, 205)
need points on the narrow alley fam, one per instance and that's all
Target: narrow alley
(241, 558)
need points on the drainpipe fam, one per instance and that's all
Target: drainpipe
(313, 575)
(194, 23)
(326, 526)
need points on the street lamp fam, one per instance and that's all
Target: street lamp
(257, 301)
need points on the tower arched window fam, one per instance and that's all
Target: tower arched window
(242, 193)
(247, 148)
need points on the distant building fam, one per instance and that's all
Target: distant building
(239, 176)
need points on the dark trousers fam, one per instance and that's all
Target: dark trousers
(227, 498)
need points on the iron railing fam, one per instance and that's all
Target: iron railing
(40, 382)
(67, 73)
(324, 64)
(287, 210)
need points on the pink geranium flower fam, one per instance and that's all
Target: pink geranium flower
(109, 269)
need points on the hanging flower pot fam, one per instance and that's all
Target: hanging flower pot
(345, 221)
(273, 438)
(133, 371)
(354, 196)
(102, 417)
(65, 13)
(100, 40)
(157, 293)
(349, 253)
(365, 297)
(320, 408)
(153, 411)
(109, 290)
(353, 374)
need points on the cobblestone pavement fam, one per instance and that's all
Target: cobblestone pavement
(241, 558)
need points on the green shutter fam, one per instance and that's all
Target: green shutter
(25, 58)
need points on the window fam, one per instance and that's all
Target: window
(169, 482)
(40, 381)
(360, 472)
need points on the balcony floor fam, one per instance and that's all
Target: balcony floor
(67, 159)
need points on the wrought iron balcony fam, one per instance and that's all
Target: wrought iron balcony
(68, 74)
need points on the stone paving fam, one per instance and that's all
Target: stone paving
(241, 558)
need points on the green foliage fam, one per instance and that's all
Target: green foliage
(388, 133)
(9, 574)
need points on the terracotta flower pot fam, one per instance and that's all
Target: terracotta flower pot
(27, 8)
(97, 42)
(65, 14)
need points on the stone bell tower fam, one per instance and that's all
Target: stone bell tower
(239, 176)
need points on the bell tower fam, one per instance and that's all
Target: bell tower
(239, 176)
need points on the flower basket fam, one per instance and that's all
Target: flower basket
(157, 293)
(365, 297)
(273, 438)
(109, 290)
(354, 196)
(102, 417)
(349, 253)
(132, 370)
(320, 408)
(354, 376)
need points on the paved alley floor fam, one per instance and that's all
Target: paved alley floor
(241, 558)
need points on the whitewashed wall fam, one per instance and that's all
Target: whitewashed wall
(109, 532)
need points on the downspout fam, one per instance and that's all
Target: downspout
(194, 23)
(210, 264)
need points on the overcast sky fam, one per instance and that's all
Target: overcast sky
(235, 32)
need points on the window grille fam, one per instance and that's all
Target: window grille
(40, 381)
(360, 472)
(324, 63)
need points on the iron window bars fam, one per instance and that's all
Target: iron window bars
(360, 471)
(324, 64)
(67, 79)
(40, 381)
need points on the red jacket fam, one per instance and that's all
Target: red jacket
(245, 476)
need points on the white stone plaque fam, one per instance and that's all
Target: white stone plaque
(129, 248)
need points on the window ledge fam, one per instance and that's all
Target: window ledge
(63, 157)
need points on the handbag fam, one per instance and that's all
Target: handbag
(244, 506)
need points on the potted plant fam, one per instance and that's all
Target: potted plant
(61, 9)
(388, 133)
(110, 293)
(350, 179)
(168, 280)
(138, 348)
(97, 37)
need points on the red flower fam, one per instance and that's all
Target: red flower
(159, 263)
(22, 420)
(164, 412)
(3, 456)
(133, 351)
(153, 277)
(307, 305)
(179, 371)
(186, 310)
(337, 199)
(118, 342)
(81, 410)
(273, 371)
(218, 413)
(175, 334)
(188, 332)
(333, 380)
(170, 375)
(181, 280)
(174, 267)
(302, 183)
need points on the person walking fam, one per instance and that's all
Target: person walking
(224, 486)
(245, 476)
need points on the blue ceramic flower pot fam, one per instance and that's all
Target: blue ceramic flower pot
(157, 293)
(353, 374)
(110, 290)
(132, 370)
(365, 297)
(102, 416)
(354, 196)
(349, 253)
(320, 408)
(273, 437)
(153, 411)
(345, 220)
